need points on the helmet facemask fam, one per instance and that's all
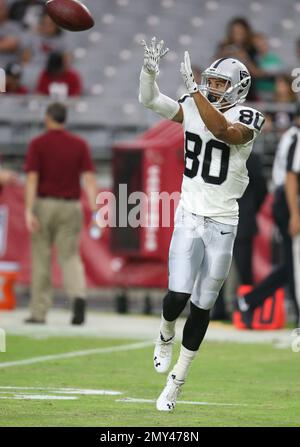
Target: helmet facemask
(231, 94)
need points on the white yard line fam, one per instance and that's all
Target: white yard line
(38, 397)
(20, 392)
(83, 392)
(67, 355)
(35, 393)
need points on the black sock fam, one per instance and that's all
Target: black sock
(173, 304)
(195, 328)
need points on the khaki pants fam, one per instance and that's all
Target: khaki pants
(61, 222)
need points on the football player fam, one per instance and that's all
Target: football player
(219, 134)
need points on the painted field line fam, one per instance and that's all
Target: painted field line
(38, 397)
(68, 355)
(185, 402)
(82, 392)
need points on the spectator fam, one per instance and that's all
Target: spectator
(54, 164)
(270, 65)
(238, 44)
(283, 94)
(13, 80)
(58, 78)
(9, 37)
(47, 39)
(27, 12)
(283, 89)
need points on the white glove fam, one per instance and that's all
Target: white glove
(187, 74)
(152, 55)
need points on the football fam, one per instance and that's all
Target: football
(70, 15)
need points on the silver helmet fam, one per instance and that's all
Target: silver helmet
(238, 82)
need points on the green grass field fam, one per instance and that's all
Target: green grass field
(261, 381)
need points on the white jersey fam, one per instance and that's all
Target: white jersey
(215, 174)
(288, 147)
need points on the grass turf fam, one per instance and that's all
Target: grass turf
(262, 380)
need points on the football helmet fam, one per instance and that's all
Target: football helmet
(237, 86)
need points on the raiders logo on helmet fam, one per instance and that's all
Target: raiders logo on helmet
(243, 75)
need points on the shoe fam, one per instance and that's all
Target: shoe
(163, 354)
(167, 399)
(246, 313)
(78, 311)
(32, 320)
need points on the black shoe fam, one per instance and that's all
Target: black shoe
(32, 320)
(78, 311)
(247, 315)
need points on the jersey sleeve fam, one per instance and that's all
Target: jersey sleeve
(183, 98)
(293, 159)
(250, 118)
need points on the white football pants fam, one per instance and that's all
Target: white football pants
(200, 256)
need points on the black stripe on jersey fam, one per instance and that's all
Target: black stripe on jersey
(291, 152)
(219, 61)
(181, 100)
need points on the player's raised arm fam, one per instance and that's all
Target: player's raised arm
(214, 120)
(149, 94)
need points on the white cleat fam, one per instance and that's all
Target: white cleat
(163, 354)
(167, 399)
